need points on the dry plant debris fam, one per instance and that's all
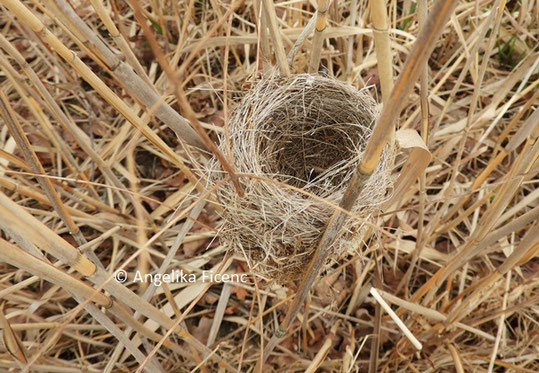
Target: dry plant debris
(101, 125)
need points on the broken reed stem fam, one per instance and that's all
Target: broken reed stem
(420, 53)
(21, 225)
(396, 319)
(318, 39)
(25, 228)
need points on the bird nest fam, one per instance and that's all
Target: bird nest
(298, 140)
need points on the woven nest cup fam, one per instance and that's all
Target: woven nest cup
(300, 139)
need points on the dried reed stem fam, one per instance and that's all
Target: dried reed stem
(396, 319)
(81, 137)
(6, 111)
(11, 254)
(271, 17)
(318, 39)
(421, 51)
(382, 44)
(182, 100)
(12, 342)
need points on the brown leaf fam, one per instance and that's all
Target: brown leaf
(176, 181)
(372, 77)
(202, 331)
(190, 248)
(209, 298)
(325, 290)
(218, 118)
(392, 277)
(240, 292)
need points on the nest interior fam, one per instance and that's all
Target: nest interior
(312, 135)
(308, 132)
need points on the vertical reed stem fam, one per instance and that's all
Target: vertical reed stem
(320, 26)
(271, 16)
(382, 45)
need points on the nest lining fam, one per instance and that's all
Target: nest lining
(308, 132)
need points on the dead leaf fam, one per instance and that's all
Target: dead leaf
(202, 331)
(240, 292)
(417, 162)
(190, 248)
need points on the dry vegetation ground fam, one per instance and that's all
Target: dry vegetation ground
(89, 160)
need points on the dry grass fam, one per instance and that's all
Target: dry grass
(109, 108)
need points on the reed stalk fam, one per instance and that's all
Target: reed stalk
(318, 38)
(382, 44)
